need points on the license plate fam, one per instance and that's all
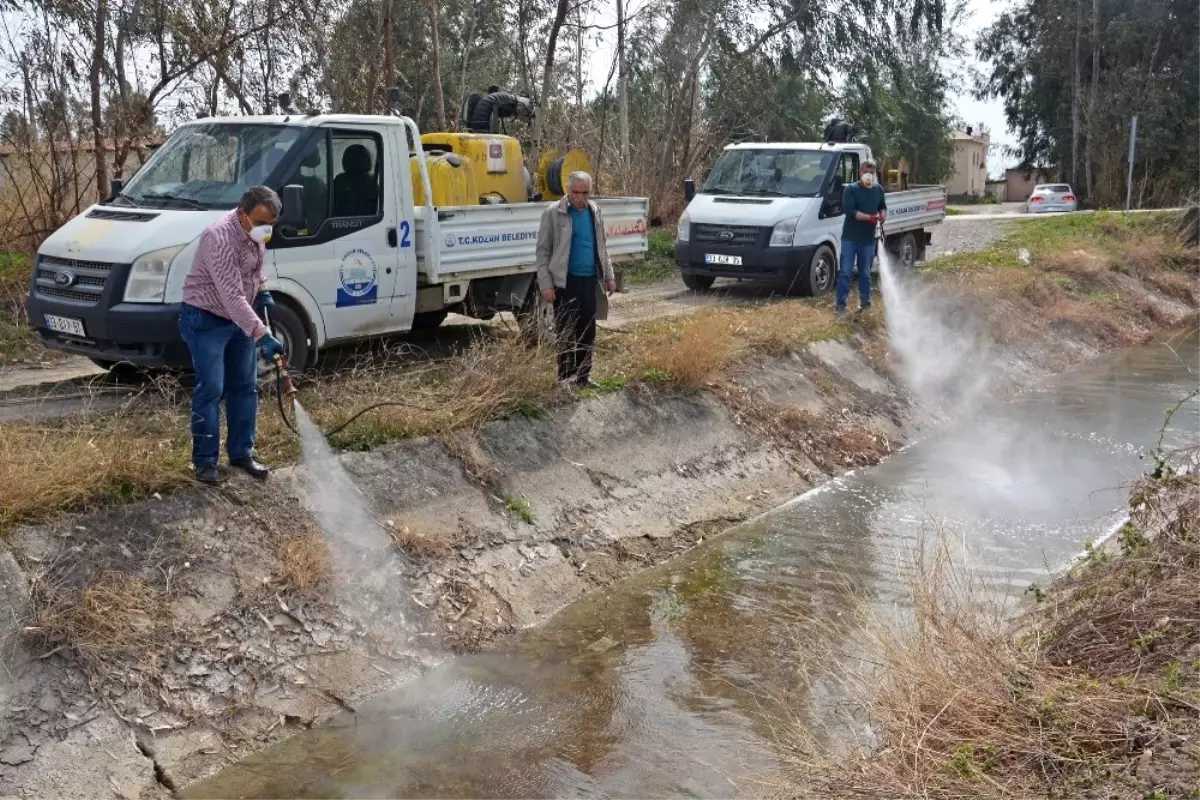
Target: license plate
(717, 258)
(65, 325)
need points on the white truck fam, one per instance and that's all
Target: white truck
(773, 212)
(353, 255)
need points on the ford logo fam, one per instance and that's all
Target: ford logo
(726, 235)
(64, 278)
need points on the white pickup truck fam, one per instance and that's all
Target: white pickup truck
(352, 256)
(773, 212)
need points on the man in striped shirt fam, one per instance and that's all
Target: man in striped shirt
(220, 327)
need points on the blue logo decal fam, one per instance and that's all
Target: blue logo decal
(359, 278)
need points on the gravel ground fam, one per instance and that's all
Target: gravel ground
(959, 234)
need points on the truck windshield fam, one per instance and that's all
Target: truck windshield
(210, 166)
(769, 172)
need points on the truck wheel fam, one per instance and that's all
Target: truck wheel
(820, 276)
(906, 251)
(428, 320)
(289, 328)
(698, 283)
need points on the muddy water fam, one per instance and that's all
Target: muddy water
(681, 681)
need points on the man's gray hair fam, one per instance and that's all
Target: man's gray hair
(264, 196)
(579, 176)
(870, 162)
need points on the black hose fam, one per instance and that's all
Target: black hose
(279, 393)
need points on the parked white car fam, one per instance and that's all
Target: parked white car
(1049, 197)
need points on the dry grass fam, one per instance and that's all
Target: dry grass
(303, 561)
(423, 544)
(694, 351)
(1102, 672)
(113, 619)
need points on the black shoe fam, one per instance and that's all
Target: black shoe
(251, 467)
(587, 383)
(208, 473)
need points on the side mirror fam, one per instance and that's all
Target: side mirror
(292, 216)
(689, 189)
(117, 186)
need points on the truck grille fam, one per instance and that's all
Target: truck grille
(728, 235)
(86, 284)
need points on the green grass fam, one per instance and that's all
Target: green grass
(659, 263)
(519, 507)
(18, 342)
(1103, 230)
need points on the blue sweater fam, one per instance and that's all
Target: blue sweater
(583, 243)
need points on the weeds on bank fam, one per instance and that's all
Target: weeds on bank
(659, 263)
(18, 341)
(1099, 675)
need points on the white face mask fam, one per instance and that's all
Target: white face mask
(868, 179)
(261, 233)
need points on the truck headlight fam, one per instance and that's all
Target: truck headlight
(784, 232)
(148, 277)
(685, 224)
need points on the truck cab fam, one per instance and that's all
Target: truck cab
(365, 245)
(773, 212)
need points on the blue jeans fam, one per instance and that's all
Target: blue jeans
(864, 253)
(225, 364)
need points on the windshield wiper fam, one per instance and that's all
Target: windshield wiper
(769, 192)
(722, 190)
(125, 197)
(174, 198)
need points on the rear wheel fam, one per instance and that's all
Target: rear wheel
(905, 251)
(428, 320)
(698, 283)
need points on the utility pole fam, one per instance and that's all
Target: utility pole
(1132, 152)
(622, 83)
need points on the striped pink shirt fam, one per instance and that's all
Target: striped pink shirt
(227, 273)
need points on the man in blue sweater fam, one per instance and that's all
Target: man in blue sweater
(865, 208)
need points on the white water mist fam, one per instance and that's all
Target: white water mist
(943, 356)
(369, 584)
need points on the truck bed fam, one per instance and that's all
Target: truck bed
(914, 208)
(464, 241)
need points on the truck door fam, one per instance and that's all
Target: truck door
(404, 293)
(845, 172)
(343, 256)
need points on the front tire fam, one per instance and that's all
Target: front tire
(818, 277)
(289, 328)
(698, 283)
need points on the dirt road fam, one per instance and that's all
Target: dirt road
(74, 385)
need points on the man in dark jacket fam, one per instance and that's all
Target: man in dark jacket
(865, 208)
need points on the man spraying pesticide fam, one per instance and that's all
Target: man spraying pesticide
(866, 211)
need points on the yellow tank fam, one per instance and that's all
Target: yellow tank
(496, 162)
(450, 176)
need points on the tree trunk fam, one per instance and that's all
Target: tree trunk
(466, 56)
(622, 83)
(1090, 165)
(97, 99)
(543, 99)
(389, 50)
(372, 74)
(439, 96)
(1075, 98)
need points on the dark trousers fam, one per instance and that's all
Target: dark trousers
(224, 360)
(575, 325)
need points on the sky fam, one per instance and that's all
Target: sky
(981, 13)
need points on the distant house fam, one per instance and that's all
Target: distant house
(1019, 182)
(969, 178)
